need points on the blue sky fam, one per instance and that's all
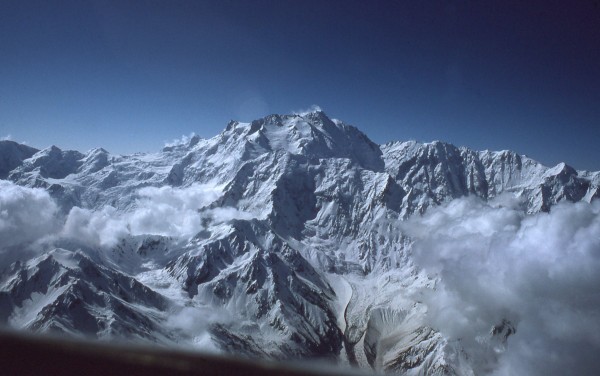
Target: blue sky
(131, 75)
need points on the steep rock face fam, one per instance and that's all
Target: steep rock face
(438, 172)
(267, 284)
(316, 135)
(542, 187)
(507, 170)
(12, 156)
(52, 163)
(67, 292)
(291, 233)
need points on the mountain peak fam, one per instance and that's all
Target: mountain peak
(12, 155)
(309, 133)
(286, 234)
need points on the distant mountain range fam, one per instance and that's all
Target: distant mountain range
(276, 239)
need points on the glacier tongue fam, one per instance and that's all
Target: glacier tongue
(281, 238)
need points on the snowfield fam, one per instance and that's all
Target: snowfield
(296, 237)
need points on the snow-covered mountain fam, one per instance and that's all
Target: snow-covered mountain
(12, 156)
(283, 238)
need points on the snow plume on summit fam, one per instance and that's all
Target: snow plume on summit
(304, 112)
(539, 274)
(183, 140)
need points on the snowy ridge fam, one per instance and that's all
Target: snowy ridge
(12, 155)
(283, 238)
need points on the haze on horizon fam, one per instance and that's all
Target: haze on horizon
(131, 75)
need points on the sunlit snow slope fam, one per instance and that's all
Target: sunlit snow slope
(291, 237)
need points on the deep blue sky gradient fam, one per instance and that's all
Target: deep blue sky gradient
(130, 75)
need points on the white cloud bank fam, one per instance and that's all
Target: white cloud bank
(163, 211)
(541, 272)
(26, 215)
(167, 211)
(195, 323)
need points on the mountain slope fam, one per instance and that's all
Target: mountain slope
(283, 238)
(12, 156)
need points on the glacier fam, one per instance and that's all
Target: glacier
(296, 237)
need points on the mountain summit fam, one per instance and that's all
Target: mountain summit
(285, 238)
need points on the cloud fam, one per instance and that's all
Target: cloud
(29, 215)
(171, 211)
(195, 323)
(183, 140)
(541, 272)
(6, 138)
(163, 211)
(95, 228)
(312, 108)
(175, 212)
(26, 214)
(193, 197)
(227, 214)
